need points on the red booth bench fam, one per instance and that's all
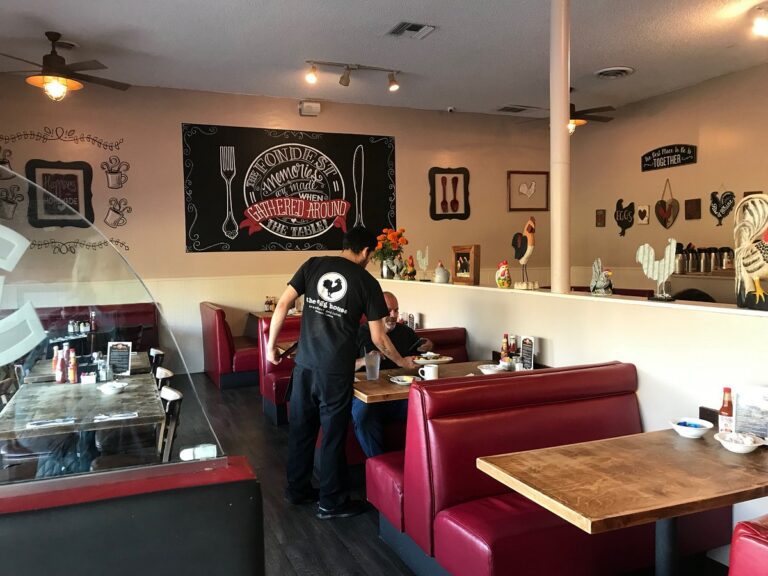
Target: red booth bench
(229, 362)
(749, 548)
(442, 515)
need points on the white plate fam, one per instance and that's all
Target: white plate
(491, 369)
(722, 437)
(111, 388)
(400, 381)
(435, 360)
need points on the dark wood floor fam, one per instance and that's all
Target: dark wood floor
(296, 543)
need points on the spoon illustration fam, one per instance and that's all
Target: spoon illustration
(444, 203)
(454, 202)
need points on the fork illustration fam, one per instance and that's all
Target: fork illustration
(227, 164)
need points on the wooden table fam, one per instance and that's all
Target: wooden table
(42, 371)
(620, 482)
(382, 390)
(34, 402)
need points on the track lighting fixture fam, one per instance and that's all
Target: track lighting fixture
(344, 80)
(311, 77)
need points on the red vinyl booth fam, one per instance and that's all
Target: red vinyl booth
(274, 379)
(229, 361)
(749, 548)
(435, 501)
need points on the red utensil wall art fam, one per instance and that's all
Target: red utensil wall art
(440, 208)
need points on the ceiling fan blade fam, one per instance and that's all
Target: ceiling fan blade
(86, 65)
(596, 110)
(21, 60)
(20, 71)
(102, 81)
(591, 118)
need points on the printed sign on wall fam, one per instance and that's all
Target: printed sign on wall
(258, 189)
(668, 157)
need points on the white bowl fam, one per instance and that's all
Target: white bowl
(490, 368)
(112, 388)
(696, 429)
(735, 441)
(507, 364)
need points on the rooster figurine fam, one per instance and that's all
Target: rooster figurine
(524, 243)
(409, 272)
(503, 278)
(750, 235)
(423, 260)
(601, 284)
(658, 270)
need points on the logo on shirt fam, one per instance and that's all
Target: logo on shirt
(332, 286)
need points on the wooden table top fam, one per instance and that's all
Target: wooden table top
(83, 402)
(631, 480)
(42, 371)
(382, 390)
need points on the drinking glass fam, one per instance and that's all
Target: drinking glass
(372, 360)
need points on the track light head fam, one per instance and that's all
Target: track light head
(311, 76)
(344, 80)
(393, 84)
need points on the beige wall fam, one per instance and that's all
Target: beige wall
(149, 120)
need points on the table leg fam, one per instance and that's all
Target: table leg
(667, 560)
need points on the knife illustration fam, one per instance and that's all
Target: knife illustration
(358, 175)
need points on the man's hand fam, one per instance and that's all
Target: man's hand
(273, 355)
(408, 363)
(426, 345)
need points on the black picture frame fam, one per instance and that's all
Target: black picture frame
(70, 182)
(449, 205)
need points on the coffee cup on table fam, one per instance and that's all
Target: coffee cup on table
(428, 371)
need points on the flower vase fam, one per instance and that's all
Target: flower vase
(388, 269)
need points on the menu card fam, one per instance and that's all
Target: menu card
(527, 351)
(119, 357)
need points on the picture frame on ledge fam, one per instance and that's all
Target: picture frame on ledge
(527, 191)
(466, 264)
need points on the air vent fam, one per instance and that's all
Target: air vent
(615, 72)
(411, 30)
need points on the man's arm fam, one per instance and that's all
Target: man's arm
(385, 346)
(286, 302)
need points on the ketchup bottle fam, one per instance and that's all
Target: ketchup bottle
(725, 420)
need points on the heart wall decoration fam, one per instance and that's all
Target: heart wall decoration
(643, 215)
(721, 205)
(625, 217)
(667, 210)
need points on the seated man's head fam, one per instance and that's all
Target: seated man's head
(390, 321)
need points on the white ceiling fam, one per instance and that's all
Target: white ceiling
(484, 54)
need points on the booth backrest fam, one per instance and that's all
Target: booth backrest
(269, 372)
(218, 347)
(450, 425)
(448, 341)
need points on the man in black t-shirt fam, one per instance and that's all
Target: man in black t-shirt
(337, 292)
(370, 419)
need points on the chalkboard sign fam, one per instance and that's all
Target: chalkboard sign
(668, 157)
(251, 189)
(119, 357)
(527, 351)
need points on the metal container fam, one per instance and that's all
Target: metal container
(693, 262)
(681, 263)
(705, 265)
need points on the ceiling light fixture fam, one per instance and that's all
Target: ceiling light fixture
(344, 80)
(760, 23)
(574, 123)
(55, 87)
(393, 84)
(312, 76)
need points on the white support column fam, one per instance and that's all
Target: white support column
(559, 145)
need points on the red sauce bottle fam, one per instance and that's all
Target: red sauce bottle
(725, 420)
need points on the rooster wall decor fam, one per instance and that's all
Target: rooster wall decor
(625, 217)
(524, 243)
(750, 234)
(658, 270)
(722, 206)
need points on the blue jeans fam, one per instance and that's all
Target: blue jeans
(370, 420)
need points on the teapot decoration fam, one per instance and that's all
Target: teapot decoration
(442, 276)
(503, 278)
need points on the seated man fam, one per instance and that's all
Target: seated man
(369, 419)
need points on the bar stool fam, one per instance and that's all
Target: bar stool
(156, 357)
(162, 374)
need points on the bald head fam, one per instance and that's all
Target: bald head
(394, 310)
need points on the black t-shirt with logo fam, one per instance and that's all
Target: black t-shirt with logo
(337, 292)
(403, 338)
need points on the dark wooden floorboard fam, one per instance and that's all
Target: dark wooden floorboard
(296, 543)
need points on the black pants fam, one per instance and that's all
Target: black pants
(319, 399)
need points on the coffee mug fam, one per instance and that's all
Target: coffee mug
(428, 372)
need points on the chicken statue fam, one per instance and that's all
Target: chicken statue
(658, 270)
(750, 234)
(423, 260)
(524, 243)
(503, 278)
(601, 284)
(409, 272)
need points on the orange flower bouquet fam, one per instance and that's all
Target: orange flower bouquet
(390, 244)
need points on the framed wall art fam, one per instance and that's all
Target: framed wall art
(693, 209)
(466, 264)
(68, 184)
(599, 218)
(527, 191)
(448, 193)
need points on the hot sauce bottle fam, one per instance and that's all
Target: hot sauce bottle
(725, 420)
(61, 369)
(55, 360)
(72, 374)
(505, 346)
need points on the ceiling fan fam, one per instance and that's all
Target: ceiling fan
(56, 77)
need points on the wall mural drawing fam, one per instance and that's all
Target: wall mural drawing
(71, 247)
(251, 189)
(60, 134)
(116, 212)
(70, 182)
(115, 170)
(5, 164)
(9, 200)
